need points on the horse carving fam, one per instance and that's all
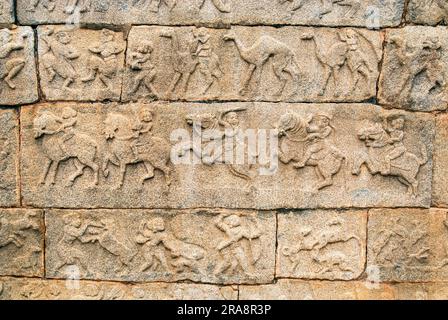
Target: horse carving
(59, 145)
(378, 142)
(154, 153)
(304, 142)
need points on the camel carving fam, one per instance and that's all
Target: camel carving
(183, 61)
(283, 62)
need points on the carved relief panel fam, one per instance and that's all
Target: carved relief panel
(415, 70)
(33, 289)
(18, 79)
(9, 158)
(6, 12)
(80, 64)
(408, 244)
(202, 246)
(362, 13)
(251, 64)
(321, 245)
(236, 155)
(21, 242)
(431, 12)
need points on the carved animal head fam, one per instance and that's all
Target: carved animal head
(113, 123)
(291, 122)
(45, 123)
(373, 135)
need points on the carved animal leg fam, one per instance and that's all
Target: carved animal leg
(122, 174)
(47, 168)
(219, 4)
(166, 172)
(79, 171)
(297, 5)
(247, 78)
(149, 172)
(173, 85)
(328, 73)
(96, 170)
(279, 66)
(337, 82)
(54, 172)
(13, 72)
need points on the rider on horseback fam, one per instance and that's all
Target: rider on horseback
(69, 120)
(142, 129)
(394, 126)
(319, 128)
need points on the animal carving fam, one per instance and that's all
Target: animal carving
(283, 59)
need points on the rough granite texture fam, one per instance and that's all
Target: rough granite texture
(223, 149)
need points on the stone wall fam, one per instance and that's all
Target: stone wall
(223, 149)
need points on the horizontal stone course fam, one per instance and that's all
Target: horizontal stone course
(99, 167)
(362, 13)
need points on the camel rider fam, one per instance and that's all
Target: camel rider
(9, 69)
(318, 129)
(396, 136)
(69, 120)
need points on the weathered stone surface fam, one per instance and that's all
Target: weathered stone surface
(327, 245)
(440, 182)
(408, 245)
(428, 12)
(414, 75)
(21, 242)
(80, 64)
(224, 247)
(9, 158)
(33, 289)
(338, 290)
(362, 13)
(103, 139)
(6, 12)
(18, 79)
(252, 64)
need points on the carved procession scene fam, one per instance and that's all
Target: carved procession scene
(332, 155)
(409, 244)
(322, 245)
(84, 65)
(21, 242)
(362, 13)
(415, 70)
(206, 246)
(251, 64)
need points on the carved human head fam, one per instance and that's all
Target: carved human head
(145, 47)
(201, 34)
(5, 36)
(396, 122)
(157, 225)
(107, 35)
(233, 221)
(321, 120)
(63, 37)
(145, 114)
(68, 113)
(73, 220)
(232, 118)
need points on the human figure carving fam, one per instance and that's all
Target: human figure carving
(208, 61)
(104, 62)
(73, 231)
(386, 154)
(72, 5)
(141, 65)
(332, 60)
(305, 143)
(61, 142)
(49, 5)
(153, 152)
(10, 67)
(58, 58)
(161, 249)
(235, 252)
(13, 231)
(183, 61)
(283, 62)
(424, 60)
